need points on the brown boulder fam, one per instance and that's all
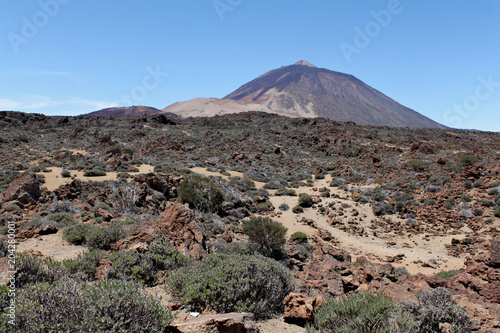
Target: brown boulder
(177, 225)
(300, 308)
(25, 189)
(422, 147)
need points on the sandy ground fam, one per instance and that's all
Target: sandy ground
(375, 248)
(53, 178)
(51, 246)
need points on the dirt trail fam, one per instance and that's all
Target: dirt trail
(53, 178)
(51, 246)
(376, 248)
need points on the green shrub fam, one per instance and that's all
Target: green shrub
(62, 219)
(416, 164)
(65, 174)
(230, 283)
(12, 207)
(201, 193)
(436, 307)
(298, 236)
(76, 234)
(298, 209)
(242, 184)
(104, 306)
(285, 191)
(94, 173)
(448, 274)
(264, 206)
(305, 200)
(267, 235)
(381, 208)
(31, 269)
(467, 160)
(102, 237)
(85, 265)
(40, 178)
(128, 151)
(104, 206)
(273, 185)
(361, 312)
(144, 267)
(496, 212)
(284, 207)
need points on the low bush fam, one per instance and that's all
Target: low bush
(305, 200)
(12, 207)
(76, 234)
(416, 164)
(298, 209)
(285, 191)
(242, 184)
(382, 209)
(267, 235)
(284, 207)
(104, 306)
(273, 185)
(102, 237)
(65, 174)
(298, 236)
(228, 283)
(95, 237)
(94, 173)
(62, 219)
(447, 274)
(436, 307)
(467, 160)
(360, 312)
(371, 312)
(201, 193)
(144, 267)
(31, 269)
(85, 265)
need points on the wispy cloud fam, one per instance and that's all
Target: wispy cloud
(42, 102)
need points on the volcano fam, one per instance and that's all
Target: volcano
(304, 90)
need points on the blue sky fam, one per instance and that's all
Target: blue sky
(67, 57)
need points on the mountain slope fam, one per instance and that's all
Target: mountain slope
(303, 90)
(131, 111)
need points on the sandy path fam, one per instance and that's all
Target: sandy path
(51, 246)
(205, 172)
(53, 178)
(375, 248)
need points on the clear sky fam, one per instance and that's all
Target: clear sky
(68, 57)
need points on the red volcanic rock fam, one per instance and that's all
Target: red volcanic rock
(177, 225)
(300, 307)
(25, 189)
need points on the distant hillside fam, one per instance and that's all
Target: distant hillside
(131, 111)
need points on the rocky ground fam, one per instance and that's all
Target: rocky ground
(385, 202)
